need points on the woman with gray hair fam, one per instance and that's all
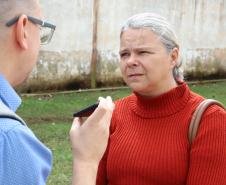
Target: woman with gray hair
(148, 142)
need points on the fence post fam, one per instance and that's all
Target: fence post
(94, 45)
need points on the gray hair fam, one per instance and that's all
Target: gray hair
(161, 27)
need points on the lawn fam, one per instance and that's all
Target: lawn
(50, 117)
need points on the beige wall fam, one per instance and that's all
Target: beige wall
(199, 24)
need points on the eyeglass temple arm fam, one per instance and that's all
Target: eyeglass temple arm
(42, 23)
(32, 19)
(12, 21)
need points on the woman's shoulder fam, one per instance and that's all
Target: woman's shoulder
(196, 99)
(123, 101)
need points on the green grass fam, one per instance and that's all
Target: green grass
(50, 118)
(55, 136)
(215, 91)
(59, 108)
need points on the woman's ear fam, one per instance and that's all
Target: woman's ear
(21, 32)
(174, 56)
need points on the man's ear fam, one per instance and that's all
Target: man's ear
(21, 32)
(174, 56)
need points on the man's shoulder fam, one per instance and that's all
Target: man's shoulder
(16, 135)
(23, 154)
(9, 124)
(19, 138)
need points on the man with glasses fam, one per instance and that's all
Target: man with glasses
(46, 29)
(24, 160)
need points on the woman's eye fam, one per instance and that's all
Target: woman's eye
(144, 52)
(124, 55)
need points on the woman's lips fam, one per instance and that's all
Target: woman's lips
(134, 75)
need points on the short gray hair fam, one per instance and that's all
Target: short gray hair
(12, 8)
(161, 27)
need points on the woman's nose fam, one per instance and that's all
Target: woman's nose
(132, 60)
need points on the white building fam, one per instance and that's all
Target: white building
(199, 24)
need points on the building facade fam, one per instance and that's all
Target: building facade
(66, 62)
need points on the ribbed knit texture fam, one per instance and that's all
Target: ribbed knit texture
(149, 142)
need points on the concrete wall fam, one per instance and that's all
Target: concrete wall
(200, 26)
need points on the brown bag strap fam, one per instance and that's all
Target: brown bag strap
(197, 115)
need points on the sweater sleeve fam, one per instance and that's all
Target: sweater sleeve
(24, 160)
(208, 150)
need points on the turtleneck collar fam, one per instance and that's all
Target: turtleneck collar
(163, 105)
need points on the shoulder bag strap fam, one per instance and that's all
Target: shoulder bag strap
(5, 112)
(197, 115)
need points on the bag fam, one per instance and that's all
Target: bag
(197, 115)
(5, 112)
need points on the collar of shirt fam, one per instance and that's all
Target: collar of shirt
(8, 95)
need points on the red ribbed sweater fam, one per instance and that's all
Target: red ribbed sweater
(149, 142)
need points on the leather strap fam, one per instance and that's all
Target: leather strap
(5, 112)
(197, 115)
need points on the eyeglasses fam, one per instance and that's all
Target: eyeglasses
(46, 29)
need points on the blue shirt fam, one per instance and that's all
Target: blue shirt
(24, 160)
